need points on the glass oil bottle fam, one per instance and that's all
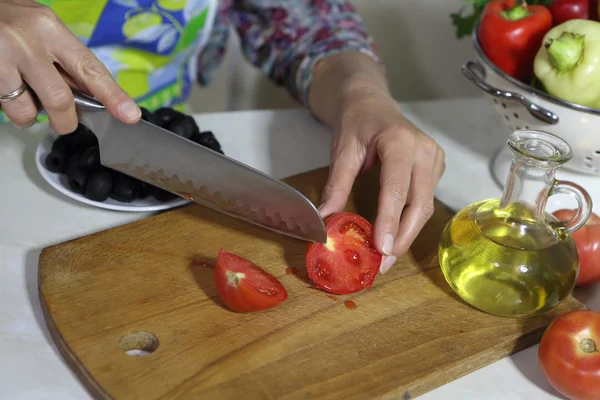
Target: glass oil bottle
(508, 256)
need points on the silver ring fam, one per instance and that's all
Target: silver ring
(14, 94)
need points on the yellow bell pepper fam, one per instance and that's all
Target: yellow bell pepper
(568, 62)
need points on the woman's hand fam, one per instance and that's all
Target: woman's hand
(369, 126)
(37, 48)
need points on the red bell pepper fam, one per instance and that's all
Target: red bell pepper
(564, 10)
(511, 33)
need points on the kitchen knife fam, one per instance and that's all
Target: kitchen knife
(163, 159)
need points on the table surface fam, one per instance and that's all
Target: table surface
(33, 215)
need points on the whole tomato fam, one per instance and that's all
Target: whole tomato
(587, 241)
(569, 356)
(565, 10)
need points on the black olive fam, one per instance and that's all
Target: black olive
(56, 161)
(208, 139)
(205, 138)
(164, 196)
(165, 115)
(149, 116)
(90, 159)
(124, 188)
(72, 162)
(83, 139)
(145, 113)
(80, 126)
(77, 178)
(63, 144)
(145, 190)
(185, 127)
(115, 174)
(99, 185)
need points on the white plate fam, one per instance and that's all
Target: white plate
(59, 182)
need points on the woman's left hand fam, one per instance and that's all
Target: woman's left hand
(370, 127)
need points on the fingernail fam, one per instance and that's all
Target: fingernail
(386, 263)
(388, 244)
(130, 110)
(320, 210)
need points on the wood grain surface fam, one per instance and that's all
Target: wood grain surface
(148, 287)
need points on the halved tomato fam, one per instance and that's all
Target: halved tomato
(349, 261)
(245, 287)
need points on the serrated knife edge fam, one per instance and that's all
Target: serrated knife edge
(215, 201)
(93, 114)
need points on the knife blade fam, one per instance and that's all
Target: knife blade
(163, 159)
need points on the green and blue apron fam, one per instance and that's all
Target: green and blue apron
(149, 46)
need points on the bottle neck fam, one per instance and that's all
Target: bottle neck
(528, 185)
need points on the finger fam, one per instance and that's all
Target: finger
(53, 92)
(440, 167)
(82, 65)
(420, 208)
(395, 151)
(438, 170)
(344, 168)
(21, 110)
(70, 81)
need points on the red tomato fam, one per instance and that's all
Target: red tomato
(587, 240)
(565, 10)
(348, 262)
(569, 356)
(245, 287)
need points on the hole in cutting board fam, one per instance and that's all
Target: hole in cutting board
(138, 344)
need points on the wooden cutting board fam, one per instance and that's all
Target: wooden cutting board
(147, 287)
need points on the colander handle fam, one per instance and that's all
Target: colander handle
(475, 72)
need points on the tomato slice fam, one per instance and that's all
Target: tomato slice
(245, 287)
(349, 261)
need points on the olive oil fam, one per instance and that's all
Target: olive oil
(508, 256)
(502, 261)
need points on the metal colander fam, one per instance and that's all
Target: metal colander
(524, 107)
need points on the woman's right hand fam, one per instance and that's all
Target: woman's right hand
(37, 48)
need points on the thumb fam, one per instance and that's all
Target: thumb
(345, 166)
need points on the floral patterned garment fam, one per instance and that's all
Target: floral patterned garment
(286, 38)
(156, 49)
